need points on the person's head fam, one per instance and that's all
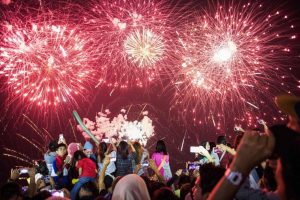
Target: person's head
(288, 166)
(123, 149)
(102, 148)
(291, 106)
(184, 190)
(139, 151)
(183, 179)
(161, 147)
(88, 149)
(210, 176)
(88, 190)
(108, 181)
(221, 139)
(206, 145)
(61, 149)
(164, 193)
(52, 146)
(42, 195)
(131, 187)
(78, 155)
(11, 191)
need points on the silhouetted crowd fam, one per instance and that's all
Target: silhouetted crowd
(261, 164)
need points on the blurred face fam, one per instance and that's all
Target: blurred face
(88, 152)
(61, 151)
(207, 146)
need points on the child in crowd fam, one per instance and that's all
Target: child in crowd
(87, 172)
(50, 155)
(88, 151)
(59, 172)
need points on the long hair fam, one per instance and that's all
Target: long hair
(123, 149)
(139, 152)
(102, 148)
(161, 147)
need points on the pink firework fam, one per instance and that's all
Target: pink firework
(234, 57)
(45, 63)
(134, 38)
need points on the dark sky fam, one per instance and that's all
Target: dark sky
(168, 124)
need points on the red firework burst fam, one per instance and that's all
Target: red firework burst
(45, 63)
(234, 57)
(135, 39)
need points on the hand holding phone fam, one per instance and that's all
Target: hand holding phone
(23, 171)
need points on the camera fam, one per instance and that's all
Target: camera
(194, 149)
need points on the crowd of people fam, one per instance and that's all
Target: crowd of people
(260, 165)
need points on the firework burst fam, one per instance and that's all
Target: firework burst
(234, 57)
(45, 63)
(135, 39)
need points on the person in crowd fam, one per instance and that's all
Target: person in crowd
(164, 193)
(224, 157)
(87, 171)
(162, 159)
(279, 141)
(88, 150)
(50, 155)
(59, 173)
(125, 163)
(131, 187)
(102, 152)
(11, 191)
(207, 155)
(88, 191)
(142, 156)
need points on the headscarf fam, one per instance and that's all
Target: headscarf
(131, 187)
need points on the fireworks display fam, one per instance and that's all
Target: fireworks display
(233, 58)
(45, 63)
(135, 38)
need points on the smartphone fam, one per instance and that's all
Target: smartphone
(58, 193)
(113, 159)
(194, 149)
(193, 166)
(23, 171)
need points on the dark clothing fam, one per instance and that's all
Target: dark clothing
(125, 166)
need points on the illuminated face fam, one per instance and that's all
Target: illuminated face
(207, 146)
(61, 151)
(88, 152)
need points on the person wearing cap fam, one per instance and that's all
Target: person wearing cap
(280, 140)
(88, 151)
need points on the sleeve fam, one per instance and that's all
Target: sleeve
(54, 166)
(216, 158)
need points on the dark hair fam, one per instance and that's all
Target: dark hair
(164, 193)
(183, 179)
(210, 176)
(153, 186)
(139, 152)
(161, 147)
(78, 155)
(204, 145)
(184, 190)
(52, 146)
(123, 149)
(90, 187)
(102, 148)
(61, 145)
(287, 142)
(221, 139)
(42, 195)
(108, 181)
(10, 190)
